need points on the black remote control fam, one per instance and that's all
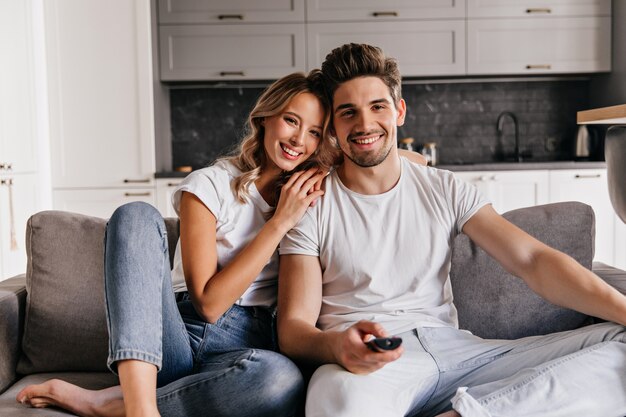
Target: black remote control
(384, 343)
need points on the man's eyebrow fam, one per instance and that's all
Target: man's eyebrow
(350, 105)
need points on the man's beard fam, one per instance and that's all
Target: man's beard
(368, 160)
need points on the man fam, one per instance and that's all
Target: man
(342, 269)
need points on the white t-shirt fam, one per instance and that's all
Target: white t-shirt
(386, 258)
(237, 224)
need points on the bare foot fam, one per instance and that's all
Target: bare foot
(107, 402)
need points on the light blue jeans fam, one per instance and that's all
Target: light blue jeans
(576, 373)
(230, 368)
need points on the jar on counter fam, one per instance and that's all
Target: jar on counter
(406, 143)
(430, 153)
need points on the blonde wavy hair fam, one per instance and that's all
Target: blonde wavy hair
(251, 157)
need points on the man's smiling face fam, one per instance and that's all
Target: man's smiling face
(365, 120)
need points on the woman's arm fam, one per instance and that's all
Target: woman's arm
(418, 158)
(213, 292)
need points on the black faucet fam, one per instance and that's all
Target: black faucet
(499, 125)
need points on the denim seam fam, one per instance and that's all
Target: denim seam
(230, 369)
(424, 346)
(506, 390)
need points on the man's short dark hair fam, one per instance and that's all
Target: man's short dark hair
(354, 60)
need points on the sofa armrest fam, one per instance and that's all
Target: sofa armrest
(613, 276)
(12, 308)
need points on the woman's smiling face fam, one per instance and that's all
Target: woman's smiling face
(294, 134)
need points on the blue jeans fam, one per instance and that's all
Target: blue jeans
(580, 373)
(230, 368)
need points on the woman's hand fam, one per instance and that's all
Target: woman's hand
(300, 191)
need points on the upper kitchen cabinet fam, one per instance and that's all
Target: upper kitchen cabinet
(100, 94)
(534, 8)
(375, 10)
(233, 11)
(422, 47)
(230, 52)
(540, 45)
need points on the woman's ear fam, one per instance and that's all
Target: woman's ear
(262, 121)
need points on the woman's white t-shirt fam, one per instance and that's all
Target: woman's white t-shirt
(237, 224)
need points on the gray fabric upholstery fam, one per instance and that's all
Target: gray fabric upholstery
(493, 303)
(65, 304)
(65, 283)
(91, 380)
(615, 155)
(12, 303)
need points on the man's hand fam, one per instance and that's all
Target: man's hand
(352, 353)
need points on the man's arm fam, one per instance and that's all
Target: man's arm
(418, 158)
(552, 274)
(299, 303)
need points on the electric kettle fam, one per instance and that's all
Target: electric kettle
(585, 140)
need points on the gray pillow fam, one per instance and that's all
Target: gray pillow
(493, 303)
(65, 326)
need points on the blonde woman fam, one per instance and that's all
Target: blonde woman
(206, 345)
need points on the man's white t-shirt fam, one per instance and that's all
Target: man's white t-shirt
(237, 224)
(386, 257)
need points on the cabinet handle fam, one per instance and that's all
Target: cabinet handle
(534, 67)
(230, 16)
(173, 184)
(385, 14)
(587, 176)
(143, 181)
(6, 166)
(12, 236)
(146, 194)
(539, 10)
(227, 73)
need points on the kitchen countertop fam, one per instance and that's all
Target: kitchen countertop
(487, 166)
(603, 115)
(524, 166)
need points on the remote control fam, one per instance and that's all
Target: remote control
(384, 343)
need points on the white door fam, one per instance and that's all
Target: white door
(534, 8)
(164, 190)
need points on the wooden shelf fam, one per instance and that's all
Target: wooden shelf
(614, 115)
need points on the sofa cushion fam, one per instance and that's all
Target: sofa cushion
(65, 326)
(494, 304)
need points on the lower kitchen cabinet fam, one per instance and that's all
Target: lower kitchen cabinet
(19, 199)
(510, 190)
(164, 189)
(590, 187)
(99, 202)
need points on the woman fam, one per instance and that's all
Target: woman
(214, 351)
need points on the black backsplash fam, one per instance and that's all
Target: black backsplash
(460, 117)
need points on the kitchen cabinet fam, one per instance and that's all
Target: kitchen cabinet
(233, 11)
(373, 10)
(589, 187)
(510, 190)
(100, 202)
(100, 93)
(19, 199)
(21, 186)
(422, 47)
(164, 189)
(231, 52)
(539, 45)
(533, 8)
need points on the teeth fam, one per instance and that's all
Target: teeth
(289, 151)
(366, 141)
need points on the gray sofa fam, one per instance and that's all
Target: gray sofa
(53, 318)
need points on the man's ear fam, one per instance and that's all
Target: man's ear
(401, 108)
